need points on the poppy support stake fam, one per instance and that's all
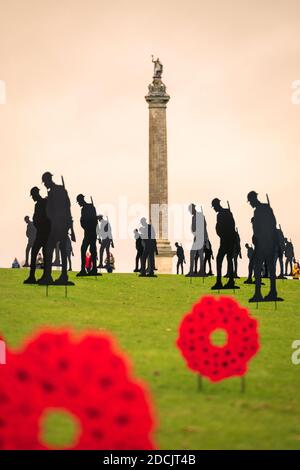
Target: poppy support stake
(200, 383)
(243, 384)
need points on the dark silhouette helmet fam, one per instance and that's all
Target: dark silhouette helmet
(252, 195)
(192, 208)
(34, 190)
(80, 197)
(216, 201)
(46, 176)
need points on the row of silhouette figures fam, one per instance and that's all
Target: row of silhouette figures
(269, 248)
(51, 230)
(53, 227)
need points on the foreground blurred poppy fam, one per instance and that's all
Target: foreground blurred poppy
(88, 377)
(208, 315)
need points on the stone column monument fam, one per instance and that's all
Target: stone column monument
(157, 100)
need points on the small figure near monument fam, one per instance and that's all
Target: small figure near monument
(225, 229)
(139, 251)
(250, 254)
(88, 262)
(30, 234)
(199, 233)
(59, 214)
(147, 233)
(280, 252)
(39, 262)
(105, 238)
(110, 263)
(158, 68)
(42, 226)
(265, 240)
(236, 254)
(208, 256)
(296, 270)
(88, 222)
(289, 253)
(180, 257)
(15, 264)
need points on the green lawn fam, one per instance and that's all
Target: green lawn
(143, 314)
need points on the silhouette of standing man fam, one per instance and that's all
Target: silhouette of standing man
(225, 229)
(265, 240)
(139, 250)
(59, 214)
(30, 234)
(250, 254)
(42, 226)
(105, 239)
(149, 248)
(180, 257)
(88, 222)
(198, 229)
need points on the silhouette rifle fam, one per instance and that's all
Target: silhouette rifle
(73, 238)
(240, 253)
(106, 230)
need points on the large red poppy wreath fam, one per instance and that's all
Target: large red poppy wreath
(195, 338)
(84, 375)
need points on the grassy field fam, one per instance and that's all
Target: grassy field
(143, 314)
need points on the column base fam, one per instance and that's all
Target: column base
(164, 259)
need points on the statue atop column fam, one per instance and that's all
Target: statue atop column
(157, 89)
(158, 67)
(157, 99)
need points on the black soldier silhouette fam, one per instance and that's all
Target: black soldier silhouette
(39, 262)
(30, 234)
(147, 233)
(208, 256)
(139, 251)
(105, 238)
(180, 257)
(199, 233)
(195, 268)
(290, 255)
(88, 222)
(56, 261)
(280, 252)
(225, 229)
(250, 255)
(264, 270)
(59, 214)
(236, 254)
(42, 227)
(265, 240)
(15, 264)
(70, 252)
